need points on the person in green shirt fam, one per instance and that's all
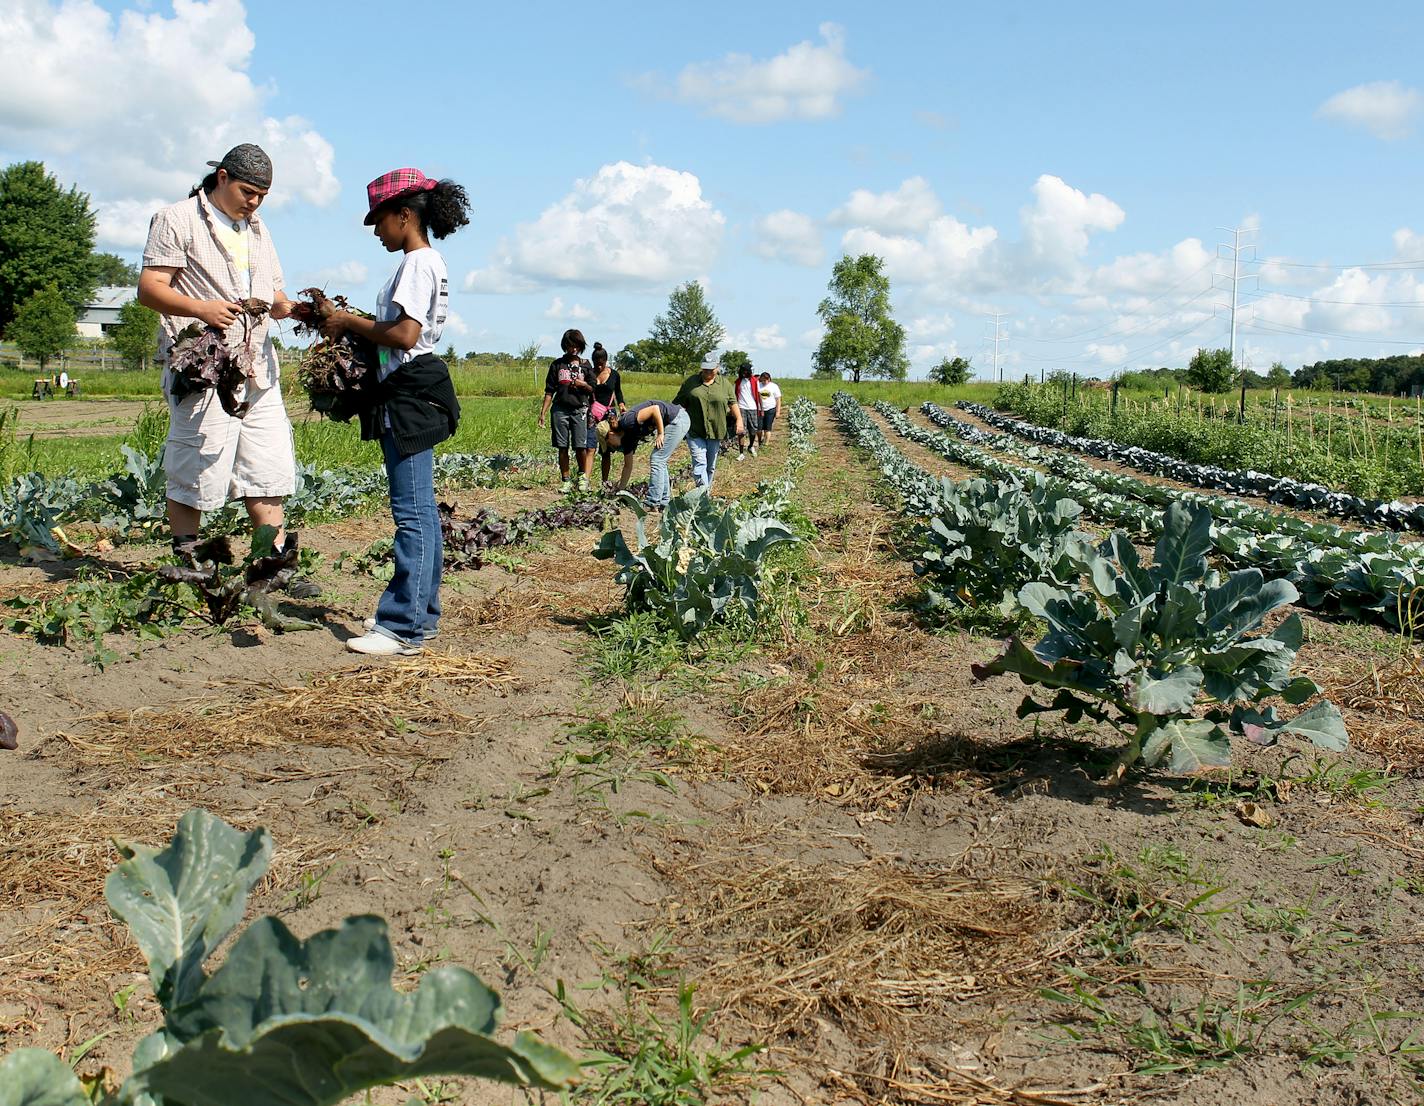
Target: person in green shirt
(708, 399)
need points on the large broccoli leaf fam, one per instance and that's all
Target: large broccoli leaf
(183, 900)
(313, 1022)
(34, 1077)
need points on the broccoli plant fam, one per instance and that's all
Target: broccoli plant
(1144, 647)
(135, 502)
(305, 1022)
(986, 540)
(705, 564)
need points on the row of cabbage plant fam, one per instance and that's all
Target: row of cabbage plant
(1165, 653)
(1383, 585)
(1394, 514)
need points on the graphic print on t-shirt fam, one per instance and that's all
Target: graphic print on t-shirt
(419, 289)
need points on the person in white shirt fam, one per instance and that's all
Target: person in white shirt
(418, 407)
(770, 395)
(749, 405)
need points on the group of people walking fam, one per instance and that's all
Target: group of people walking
(209, 255)
(587, 415)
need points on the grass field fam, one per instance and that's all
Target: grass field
(500, 403)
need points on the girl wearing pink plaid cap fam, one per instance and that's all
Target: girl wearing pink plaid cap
(414, 406)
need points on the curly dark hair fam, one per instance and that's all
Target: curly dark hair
(442, 211)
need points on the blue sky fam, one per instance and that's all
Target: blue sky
(1066, 165)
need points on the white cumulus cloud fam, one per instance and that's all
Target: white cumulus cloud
(337, 278)
(758, 338)
(133, 105)
(577, 312)
(946, 251)
(625, 226)
(789, 236)
(807, 81)
(1387, 109)
(1059, 222)
(909, 209)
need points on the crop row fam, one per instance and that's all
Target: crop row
(1164, 652)
(133, 502)
(1234, 512)
(1351, 458)
(1283, 489)
(1363, 584)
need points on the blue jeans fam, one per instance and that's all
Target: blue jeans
(410, 606)
(659, 483)
(704, 460)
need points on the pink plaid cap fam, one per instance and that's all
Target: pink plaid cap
(389, 186)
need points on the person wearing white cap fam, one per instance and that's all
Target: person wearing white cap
(708, 399)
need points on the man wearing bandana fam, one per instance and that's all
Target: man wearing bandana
(204, 256)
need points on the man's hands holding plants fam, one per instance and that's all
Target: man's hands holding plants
(218, 313)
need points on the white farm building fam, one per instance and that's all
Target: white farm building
(101, 313)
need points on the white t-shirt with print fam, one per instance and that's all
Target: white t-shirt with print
(234, 237)
(770, 393)
(419, 288)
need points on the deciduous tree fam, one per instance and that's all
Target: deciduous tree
(1210, 370)
(862, 337)
(688, 331)
(732, 361)
(136, 336)
(952, 371)
(112, 271)
(43, 326)
(46, 238)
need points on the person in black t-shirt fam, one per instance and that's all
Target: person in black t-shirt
(607, 403)
(666, 424)
(568, 392)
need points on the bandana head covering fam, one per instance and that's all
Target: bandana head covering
(247, 162)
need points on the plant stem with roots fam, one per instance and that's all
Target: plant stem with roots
(1130, 753)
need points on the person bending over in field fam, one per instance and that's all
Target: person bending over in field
(414, 407)
(667, 424)
(204, 256)
(568, 391)
(607, 403)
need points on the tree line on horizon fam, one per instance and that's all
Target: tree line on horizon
(49, 270)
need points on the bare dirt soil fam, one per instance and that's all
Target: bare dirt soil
(63, 418)
(856, 853)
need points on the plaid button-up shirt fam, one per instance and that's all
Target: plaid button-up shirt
(181, 237)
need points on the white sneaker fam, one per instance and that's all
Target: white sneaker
(566, 487)
(369, 624)
(379, 645)
(753, 451)
(741, 456)
(581, 484)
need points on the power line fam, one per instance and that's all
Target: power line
(1271, 327)
(1347, 303)
(1129, 354)
(1161, 295)
(1364, 265)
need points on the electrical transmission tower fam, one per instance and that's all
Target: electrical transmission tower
(1235, 279)
(997, 337)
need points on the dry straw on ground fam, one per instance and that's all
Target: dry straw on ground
(376, 710)
(53, 864)
(874, 948)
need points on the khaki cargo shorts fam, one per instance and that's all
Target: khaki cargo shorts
(211, 457)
